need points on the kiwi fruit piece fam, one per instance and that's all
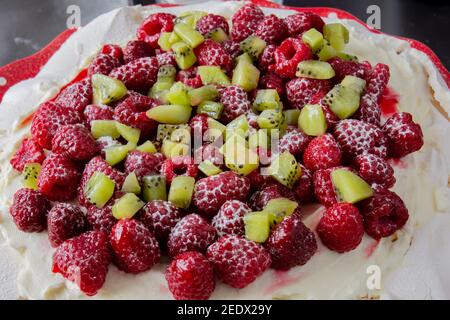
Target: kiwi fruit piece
(166, 148)
(346, 56)
(270, 119)
(266, 99)
(147, 147)
(178, 94)
(127, 206)
(181, 135)
(106, 89)
(315, 70)
(238, 126)
(257, 226)
(104, 128)
(327, 52)
(312, 120)
(165, 130)
(209, 168)
(190, 17)
(314, 39)
(218, 35)
(349, 186)
(188, 34)
(243, 57)
(131, 184)
(184, 55)
(167, 73)
(291, 116)
(257, 139)
(285, 169)
(213, 75)
(238, 158)
(128, 133)
(164, 41)
(181, 191)
(170, 114)
(215, 130)
(336, 34)
(210, 108)
(174, 38)
(343, 100)
(356, 83)
(254, 46)
(201, 94)
(99, 189)
(280, 208)
(246, 75)
(116, 154)
(154, 188)
(30, 175)
(179, 149)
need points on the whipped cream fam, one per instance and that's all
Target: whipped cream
(422, 182)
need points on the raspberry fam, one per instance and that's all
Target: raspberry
(211, 53)
(209, 152)
(182, 165)
(272, 29)
(288, 55)
(191, 233)
(143, 163)
(103, 64)
(384, 214)
(199, 125)
(302, 91)
(150, 30)
(101, 218)
(237, 261)
(369, 110)
(304, 188)
(59, 177)
(303, 21)
(84, 260)
(76, 96)
(294, 141)
(341, 228)
(272, 191)
(211, 22)
(29, 152)
(47, 119)
(134, 246)
(29, 210)
(375, 170)
(190, 276)
(97, 112)
(344, 68)
(139, 74)
(75, 142)
(257, 180)
(291, 244)
(404, 136)
(235, 102)
(113, 50)
(166, 58)
(266, 61)
(65, 221)
(210, 193)
(245, 21)
(357, 137)
(137, 49)
(323, 187)
(272, 81)
(190, 77)
(232, 47)
(229, 219)
(322, 152)
(160, 217)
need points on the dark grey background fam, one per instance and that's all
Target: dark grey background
(28, 25)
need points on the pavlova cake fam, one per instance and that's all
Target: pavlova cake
(243, 152)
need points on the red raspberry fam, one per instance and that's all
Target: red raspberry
(101, 218)
(302, 91)
(143, 163)
(136, 49)
(211, 22)
(97, 112)
(103, 64)
(150, 30)
(322, 152)
(190, 77)
(190, 276)
(211, 53)
(29, 152)
(75, 142)
(272, 29)
(404, 136)
(304, 188)
(288, 55)
(232, 47)
(291, 244)
(272, 81)
(375, 170)
(65, 221)
(209, 152)
(245, 21)
(47, 119)
(357, 137)
(134, 246)
(294, 141)
(132, 112)
(235, 102)
(166, 58)
(341, 228)
(59, 178)
(272, 191)
(323, 187)
(160, 217)
(113, 50)
(344, 68)
(237, 261)
(191, 233)
(257, 180)
(303, 21)
(76, 96)
(199, 125)
(210, 193)
(139, 74)
(84, 260)
(384, 214)
(29, 210)
(176, 166)
(229, 219)
(266, 61)
(370, 110)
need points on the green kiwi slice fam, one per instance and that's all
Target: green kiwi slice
(181, 191)
(106, 90)
(198, 95)
(213, 75)
(184, 55)
(170, 114)
(246, 75)
(254, 46)
(131, 184)
(188, 34)
(350, 187)
(314, 39)
(154, 188)
(257, 226)
(127, 206)
(30, 175)
(312, 120)
(285, 169)
(315, 70)
(99, 189)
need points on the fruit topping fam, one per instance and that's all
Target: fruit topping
(285, 169)
(257, 226)
(210, 23)
(211, 53)
(303, 91)
(181, 191)
(106, 89)
(154, 188)
(30, 175)
(99, 189)
(336, 34)
(29, 210)
(65, 221)
(127, 206)
(315, 70)
(202, 94)
(350, 187)
(160, 217)
(288, 55)
(375, 170)
(322, 152)
(138, 75)
(28, 152)
(150, 30)
(312, 120)
(188, 34)
(170, 114)
(314, 39)
(75, 142)
(177, 166)
(211, 109)
(213, 75)
(131, 184)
